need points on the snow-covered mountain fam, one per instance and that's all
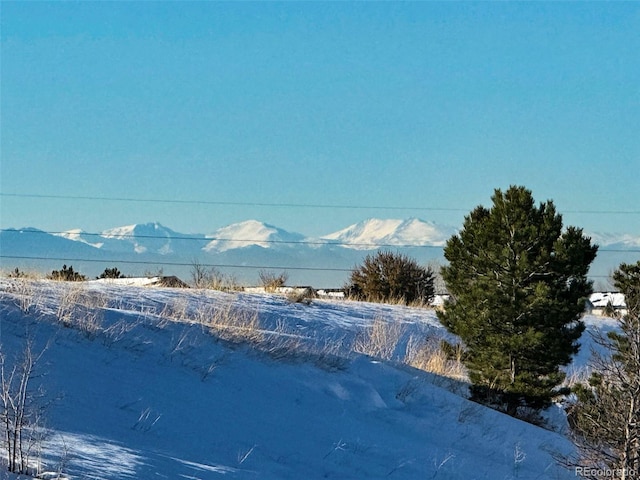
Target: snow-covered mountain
(367, 235)
(620, 240)
(80, 235)
(250, 233)
(372, 233)
(246, 247)
(153, 238)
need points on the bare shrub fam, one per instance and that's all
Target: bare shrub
(212, 278)
(24, 292)
(272, 281)
(21, 410)
(68, 302)
(91, 318)
(82, 309)
(380, 340)
(224, 282)
(200, 275)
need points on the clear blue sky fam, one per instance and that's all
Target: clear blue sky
(422, 105)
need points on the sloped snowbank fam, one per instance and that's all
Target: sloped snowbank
(163, 399)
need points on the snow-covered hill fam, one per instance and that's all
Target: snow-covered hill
(150, 393)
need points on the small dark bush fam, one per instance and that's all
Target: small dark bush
(67, 275)
(388, 276)
(111, 273)
(17, 273)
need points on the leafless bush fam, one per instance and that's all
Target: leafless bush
(23, 290)
(225, 282)
(212, 278)
(21, 410)
(272, 281)
(67, 304)
(82, 309)
(200, 275)
(380, 340)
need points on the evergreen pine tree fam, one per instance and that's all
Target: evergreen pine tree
(518, 285)
(606, 416)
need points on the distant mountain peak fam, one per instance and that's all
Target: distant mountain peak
(80, 235)
(145, 237)
(250, 233)
(623, 240)
(374, 232)
(137, 229)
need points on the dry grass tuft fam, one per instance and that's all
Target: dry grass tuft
(301, 295)
(380, 340)
(430, 356)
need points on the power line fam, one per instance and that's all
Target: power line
(182, 264)
(279, 205)
(226, 203)
(173, 264)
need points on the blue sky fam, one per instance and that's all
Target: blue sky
(405, 109)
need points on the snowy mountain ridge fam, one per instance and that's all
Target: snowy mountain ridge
(154, 237)
(374, 232)
(369, 234)
(248, 233)
(245, 247)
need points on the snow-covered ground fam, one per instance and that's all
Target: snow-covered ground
(153, 394)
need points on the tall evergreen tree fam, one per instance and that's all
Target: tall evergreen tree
(518, 284)
(606, 416)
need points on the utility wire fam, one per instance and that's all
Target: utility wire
(280, 205)
(174, 264)
(182, 264)
(225, 203)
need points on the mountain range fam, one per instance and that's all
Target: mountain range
(246, 247)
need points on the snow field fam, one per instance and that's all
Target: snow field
(146, 383)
